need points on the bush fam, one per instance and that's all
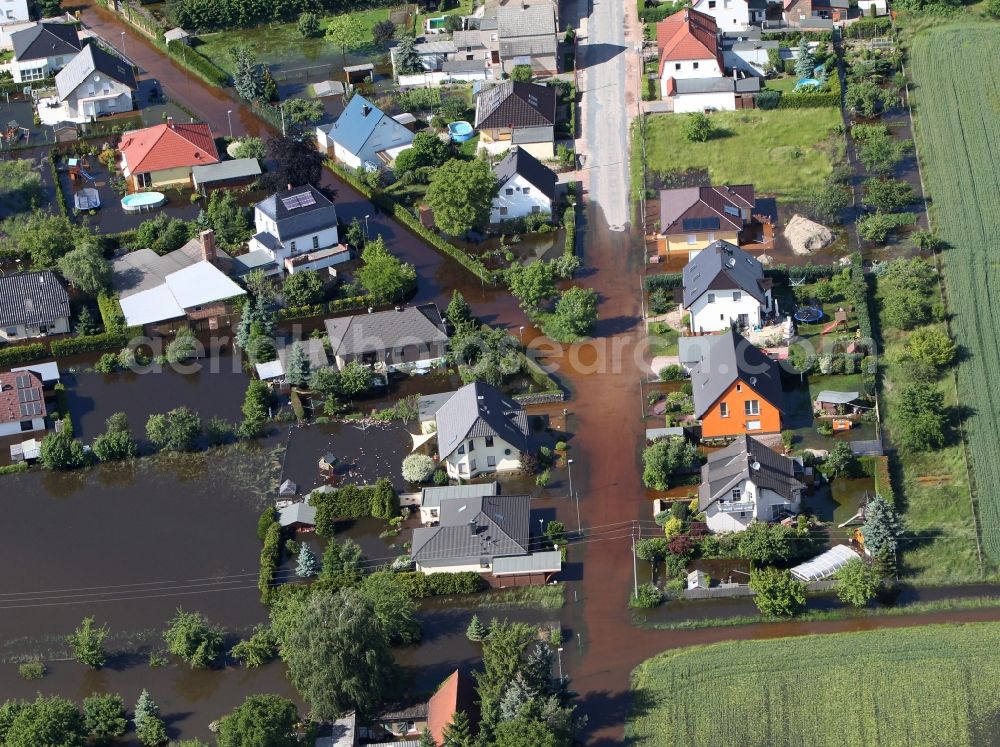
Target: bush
(418, 468)
(768, 99)
(90, 344)
(31, 670)
(190, 637)
(466, 582)
(649, 596)
(776, 593)
(15, 355)
(673, 372)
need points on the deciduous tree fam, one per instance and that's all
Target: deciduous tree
(460, 194)
(87, 269)
(260, 721)
(776, 593)
(87, 642)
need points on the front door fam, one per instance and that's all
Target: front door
(743, 321)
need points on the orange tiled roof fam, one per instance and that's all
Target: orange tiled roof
(687, 35)
(168, 146)
(21, 397)
(454, 694)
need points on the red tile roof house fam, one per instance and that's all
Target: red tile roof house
(22, 404)
(692, 73)
(455, 694)
(163, 155)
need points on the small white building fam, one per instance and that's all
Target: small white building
(733, 15)
(480, 431)
(42, 49)
(93, 83)
(14, 16)
(32, 304)
(746, 482)
(364, 136)
(297, 229)
(724, 286)
(22, 403)
(524, 187)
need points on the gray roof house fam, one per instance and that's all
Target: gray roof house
(745, 481)
(297, 229)
(524, 186)
(485, 533)
(481, 431)
(363, 136)
(32, 304)
(528, 35)
(42, 49)
(729, 359)
(400, 339)
(724, 286)
(94, 83)
(431, 498)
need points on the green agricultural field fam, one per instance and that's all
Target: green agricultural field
(787, 152)
(926, 686)
(958, 137)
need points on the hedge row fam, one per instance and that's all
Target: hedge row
(111, 312)
(404, 216)
(349, 502)
(10, 469)
(270, 558)
(318, 309)
(11, 87)
(569, 223)
(668, 281)
(15, 355)
(88, 344)
(809, 100)
(442, 584)
(197, 63)
(857, 295)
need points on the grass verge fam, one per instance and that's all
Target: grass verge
(546, 597)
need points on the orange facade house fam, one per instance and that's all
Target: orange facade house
(736, 388)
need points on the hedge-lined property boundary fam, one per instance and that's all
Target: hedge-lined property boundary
(404, 216)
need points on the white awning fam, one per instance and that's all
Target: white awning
(419, 439)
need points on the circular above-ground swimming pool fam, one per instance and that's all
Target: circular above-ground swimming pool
(461, 131)
(808, 314)
(139, 201)
(808, 83)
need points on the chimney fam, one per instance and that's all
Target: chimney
(170, 123)
(207, 245)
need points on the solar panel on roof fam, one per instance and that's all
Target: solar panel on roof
(700, 224)
(730, 210)
(31, 408)
(300, 200)
(27, 395)
(23, 381)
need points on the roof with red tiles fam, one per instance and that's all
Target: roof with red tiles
(168, 146)
(455, 694)
(20, 397)
(687, 35)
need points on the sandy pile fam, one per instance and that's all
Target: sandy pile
(806, 236)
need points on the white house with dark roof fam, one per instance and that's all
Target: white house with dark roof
(401, 339)
(32, 304)
(745, 482)
(42, 49)
(363, 136)
(724, 287)
(297, 230)
(93, 83)
(484, 534)
(22, 403)
(515, 113)
(431, 498)
(524, 187)
(480, 431)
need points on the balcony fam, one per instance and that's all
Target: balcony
(729, 508)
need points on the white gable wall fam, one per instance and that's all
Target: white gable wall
(477, 455)
(754, 503)
(717, 310)
(729, 15)
(703, 67)
(517, 198)
(95, 97)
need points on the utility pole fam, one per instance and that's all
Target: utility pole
(635, 566)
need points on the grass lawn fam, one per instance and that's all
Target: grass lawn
(663, 340)
(787, 152)
(924, 686)
(546, 597)
(281, 43)
(785, 84)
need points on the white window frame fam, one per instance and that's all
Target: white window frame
(751, 407)
(723, 409)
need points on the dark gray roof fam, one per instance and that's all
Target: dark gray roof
(44, 40)
(89, 61)
(514, 104)
(831, 397)
(464, 39)
(403, 712)
(471, 529)
(477, 410)
(717, 85)
(536, 562)
(730, 357)
(722, 266)
(32, 298)
(386, 330)
(432, 497)
(746, 458)
(298, 221)
(519, 161)
(429, 404)
(463, 66)
(237, 168)
(524, 135)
